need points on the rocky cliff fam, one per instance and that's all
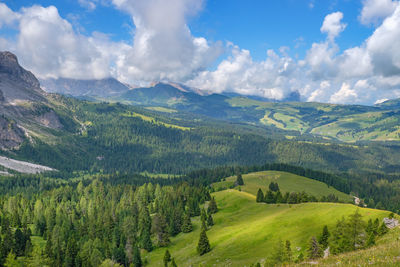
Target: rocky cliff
(24, 108)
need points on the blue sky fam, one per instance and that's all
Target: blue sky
(341, 51)
(257, 27)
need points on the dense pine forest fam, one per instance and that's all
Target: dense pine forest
(84, 225)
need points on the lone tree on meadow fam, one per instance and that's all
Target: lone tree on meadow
(167, 257)
(239, 180)
(204, 245)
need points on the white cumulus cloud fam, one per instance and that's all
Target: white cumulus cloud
(332, 25)
(163, 46)
(374, 11)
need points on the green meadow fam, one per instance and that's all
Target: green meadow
(245, 232)
(287, 183)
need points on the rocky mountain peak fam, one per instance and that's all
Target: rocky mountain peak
(9, 66)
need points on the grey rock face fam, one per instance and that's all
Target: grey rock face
(16, 83)
(11, 135)
(9, 66)
(391, 223)
(24, 108)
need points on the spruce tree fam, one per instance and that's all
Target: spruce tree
(269, 197)
(273, 187)
(146, 240)
(203, 219)
(340, 241)
(203, 215)
(370, 227)
(371, 239)
(167, 257)
(383, 229)
(210, 221)
(314, 250)
(19, 242)
(203, 246)
(187, 226)
(260, 195)
(159, 227)
(278, 197)
(71, 252)
(239, 180)
(323, 240)
(356, 231)
(279, 253)
(300, 258)
(375, 226)
(173, 264)
(145, 229)
(288, 252)
(136, 259)
(212, 206)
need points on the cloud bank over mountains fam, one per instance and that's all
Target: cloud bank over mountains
(164, 48)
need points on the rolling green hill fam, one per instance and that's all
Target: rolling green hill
(348, 123)
(287, 183)
(245, 231)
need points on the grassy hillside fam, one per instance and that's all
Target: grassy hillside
(342, 122)
(245, 231)
(287, 183)
(385, 253)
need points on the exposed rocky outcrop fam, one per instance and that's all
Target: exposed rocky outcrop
(16, 83)
(9, 66)
(11, 136)
(24, 107)
(49, 119)
(391, 223)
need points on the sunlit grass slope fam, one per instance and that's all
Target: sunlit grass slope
(385, 253)
(287, 183)
(245, 231)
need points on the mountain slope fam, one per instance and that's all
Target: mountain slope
(245, 232)
(24, 107)
(104, 88)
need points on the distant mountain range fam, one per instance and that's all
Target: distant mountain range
(168, 132)
(104, 88)
(347, 123)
